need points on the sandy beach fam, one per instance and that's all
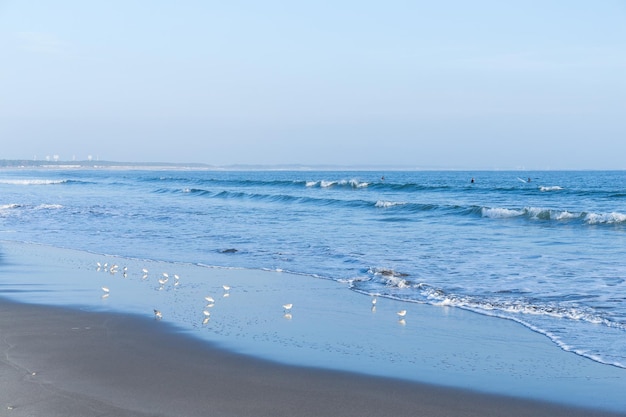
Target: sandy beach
(58, 362)
(68, 350)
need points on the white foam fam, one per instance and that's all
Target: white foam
(327, 184)
(605, 218)
(358, 184)
(31, 182)
(9, 206)
(550, 188)
(565, 215)
(387, 204)
(49, 206)
(501, 213)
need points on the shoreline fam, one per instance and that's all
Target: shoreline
(333, 333)
(76, 363)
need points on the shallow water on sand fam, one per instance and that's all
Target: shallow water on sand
(327, 326)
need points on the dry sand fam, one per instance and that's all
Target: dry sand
(60, 362)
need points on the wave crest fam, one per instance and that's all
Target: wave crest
(605, 218)
(338, 183)
(536, 213)
(387, 204)
(32, 182)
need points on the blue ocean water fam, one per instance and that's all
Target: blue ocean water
(548, 253)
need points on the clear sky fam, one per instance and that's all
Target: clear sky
(492, 84)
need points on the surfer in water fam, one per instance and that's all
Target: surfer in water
(472, 180)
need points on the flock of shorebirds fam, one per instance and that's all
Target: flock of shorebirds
(164, 279)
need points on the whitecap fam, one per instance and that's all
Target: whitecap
(32, 182)
(9, 206)
(358, 184)
(387, 204)
(49, 206)
(605, 218)
(500, 213)
(550, 188)
(565, 215)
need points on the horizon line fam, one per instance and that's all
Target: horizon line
(104, 164)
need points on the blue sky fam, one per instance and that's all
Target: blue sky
(528, 84)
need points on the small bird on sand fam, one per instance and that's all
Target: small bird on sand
(105, 289)
(401, 313)
(287, 307)
(157, 314)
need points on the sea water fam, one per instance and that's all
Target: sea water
(544, 249)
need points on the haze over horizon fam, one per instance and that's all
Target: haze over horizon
(466, 85)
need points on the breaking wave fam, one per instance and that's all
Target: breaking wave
(32, 182)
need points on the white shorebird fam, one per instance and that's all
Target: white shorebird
(401, 313)
(105, 289)
(145, 271)
(207, 313)
(226, 287)
(157, 314)
(99, 266)
(287, 307)
(209, 299)
(374, 300)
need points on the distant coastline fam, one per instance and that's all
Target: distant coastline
(121, 165)
(91, 164)
(23, 163)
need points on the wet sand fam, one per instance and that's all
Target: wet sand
(61, 362)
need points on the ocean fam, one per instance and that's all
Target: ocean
(544, 249)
